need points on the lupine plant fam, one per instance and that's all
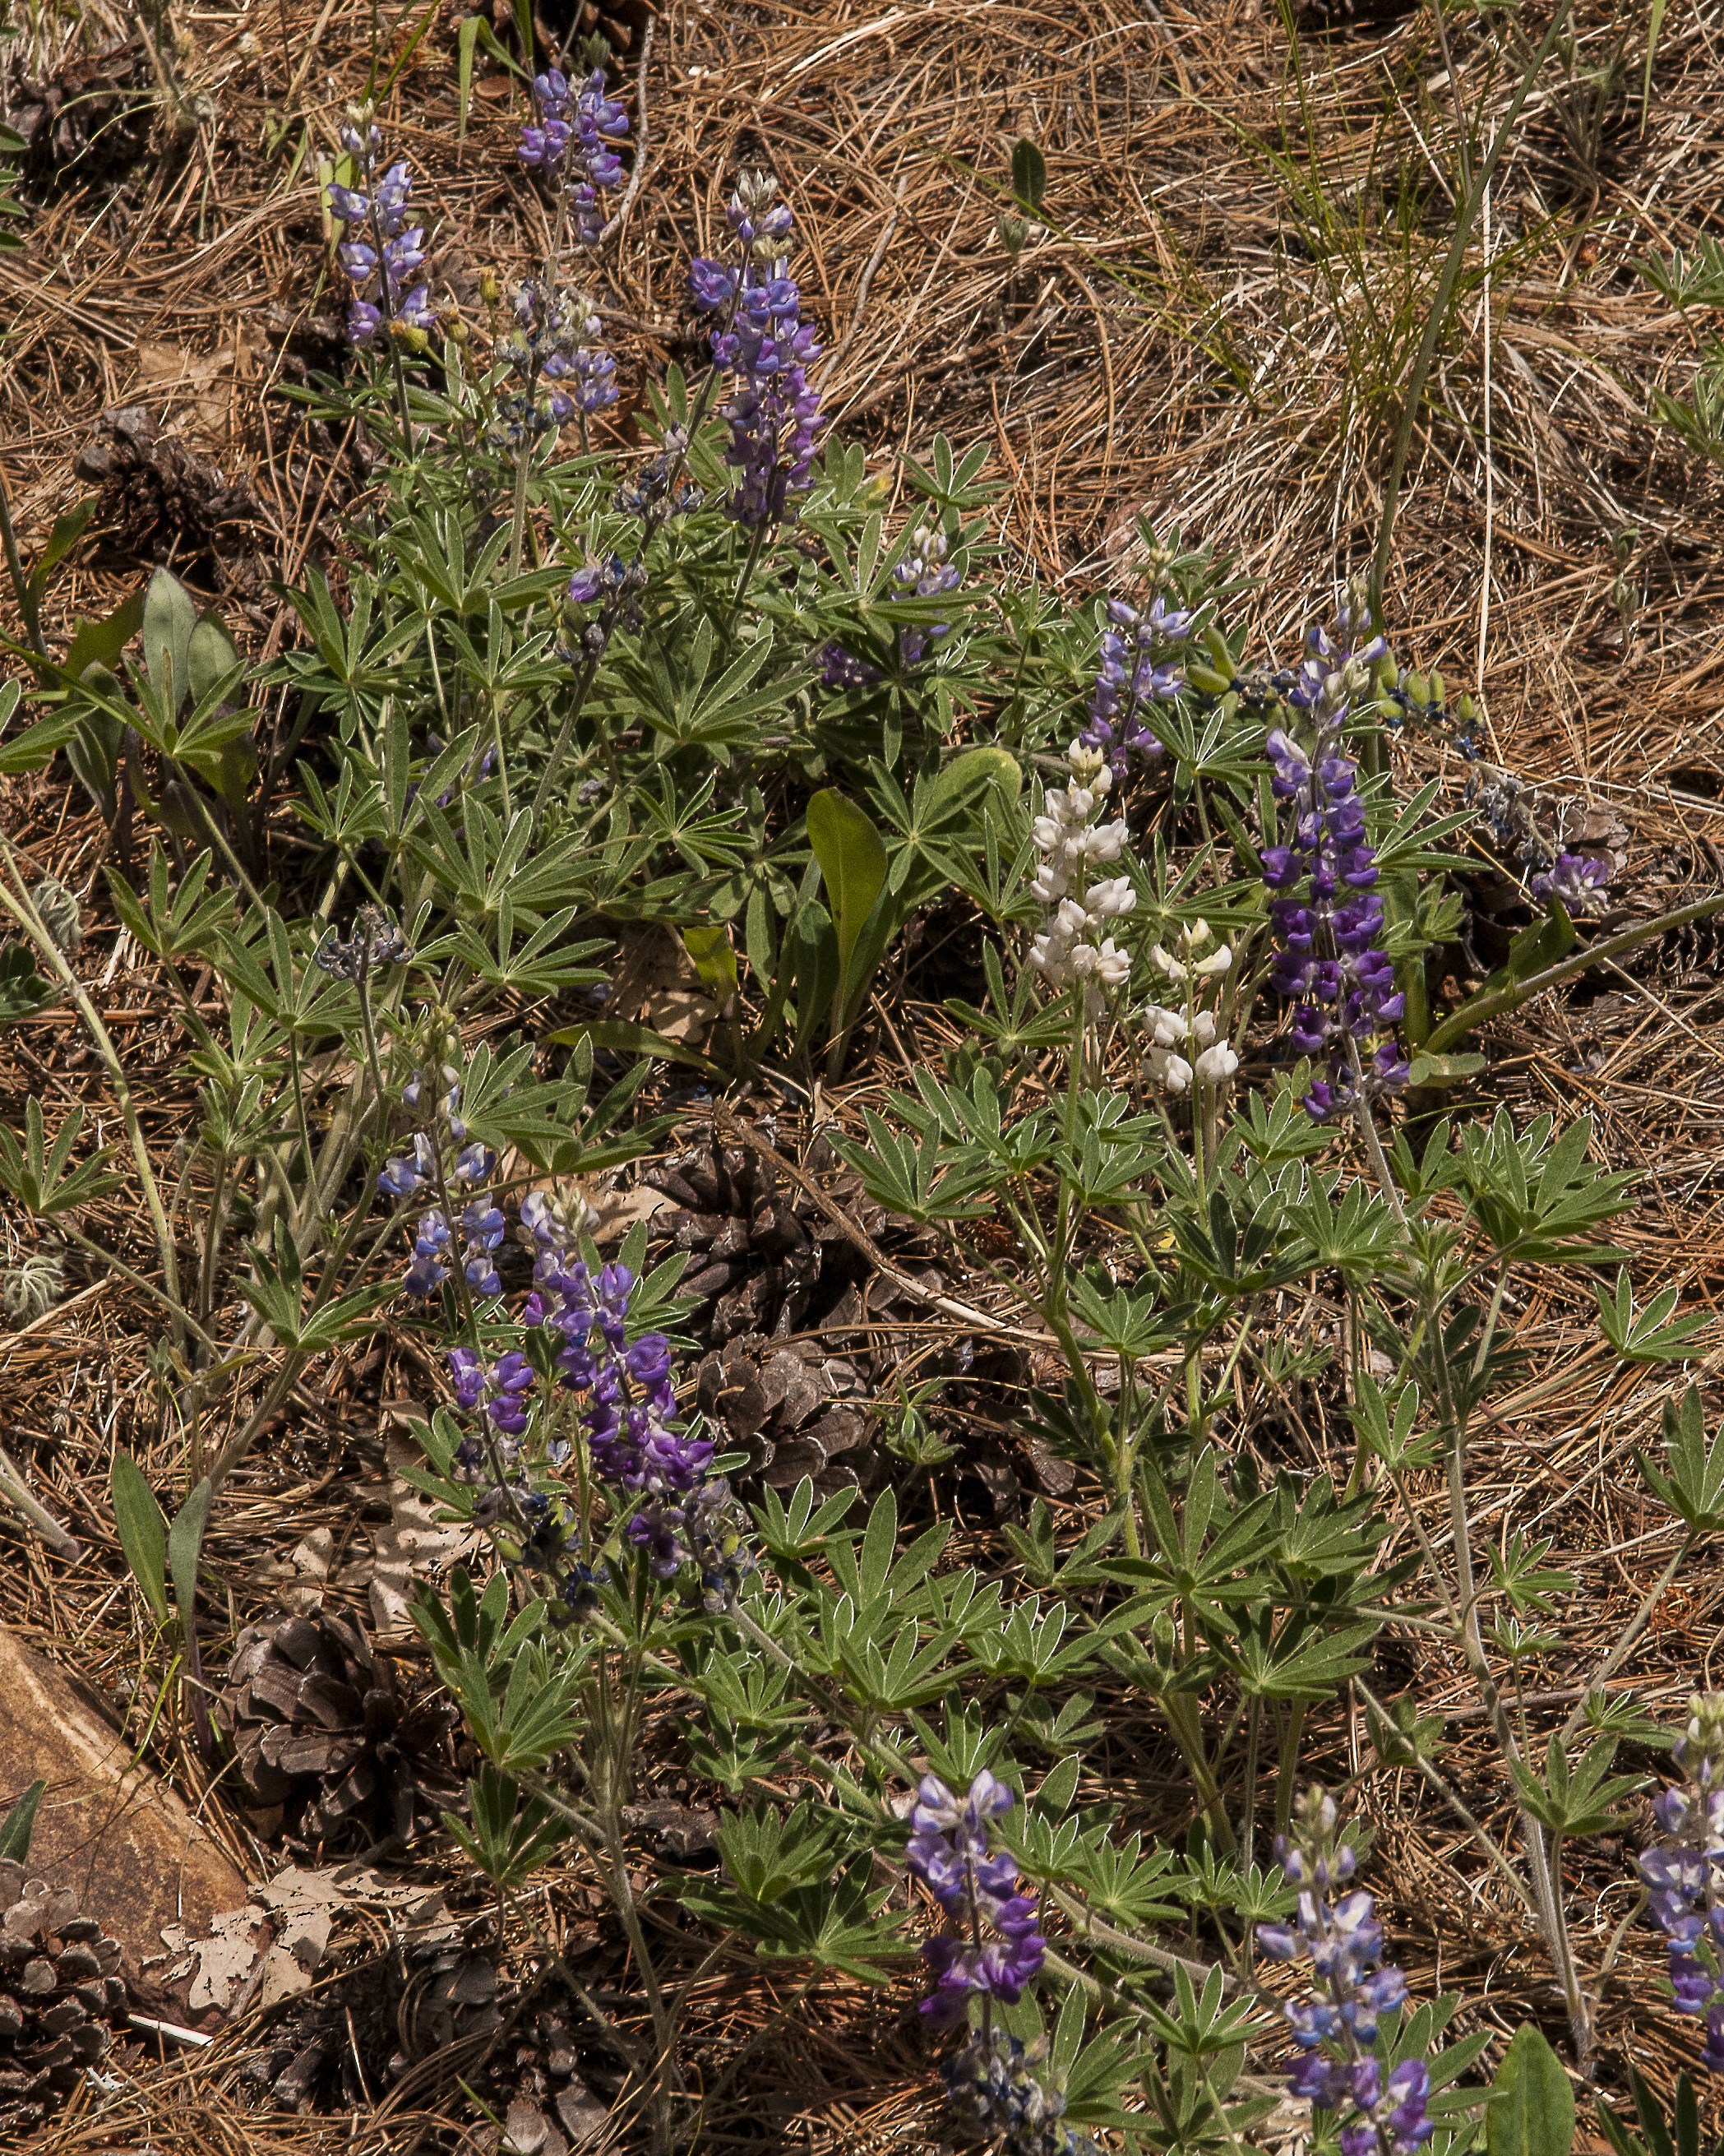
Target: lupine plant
(713, 686)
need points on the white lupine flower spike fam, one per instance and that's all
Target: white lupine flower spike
(1074, 945)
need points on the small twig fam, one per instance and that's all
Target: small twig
(638, 174)
(172, 2031)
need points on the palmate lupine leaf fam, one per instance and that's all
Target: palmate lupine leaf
(1692, 1482)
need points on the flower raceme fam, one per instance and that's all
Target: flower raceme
(1075, 943)
(1134, 669)
(1352, 1987)
(380, 245)
(765, 350)
(464, 1164)
(575, 133)
(952, 1854)
(1682, 1874)
(923, 571)
(575, 1326)
(999, 2082)
(1327, 916)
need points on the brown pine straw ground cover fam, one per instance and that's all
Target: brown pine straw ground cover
(1182, 339)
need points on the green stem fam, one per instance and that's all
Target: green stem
(27, 606)
(1479, 1009)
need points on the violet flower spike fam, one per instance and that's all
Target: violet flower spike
(765, 349)
(1682, 1874)
(635, 1437)
(1135, 668)
(951, 1853)
(575, 135)
(379, 244)
(1327, 916)
(1352, 1987)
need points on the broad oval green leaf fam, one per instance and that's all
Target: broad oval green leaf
(1532, 2111)
(143, 1531)
(170, 619)
(852, 861)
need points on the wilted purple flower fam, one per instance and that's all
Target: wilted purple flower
(949, 1852)
(1134, 668)
(1004, 2084)
(380, 243)
(1578, 880)
(1330, 918)
(561, 370)
(376, 940)
(766, 349)
(922, 570)
(842, 669)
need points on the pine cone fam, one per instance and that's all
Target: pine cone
(94, 114)
(547, 2109)
(764, 1260)
(326, 1746)
(428, 1991)
(60, 1992)
(778, 1403)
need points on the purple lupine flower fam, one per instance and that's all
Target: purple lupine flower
(635, 1435)
(951, 1854)
(1352, 1987)
(1134, 669)
(1683, 1875)
(379, 244)
(1329, 917)
(1578, 880)
(431, 1244)
(499, 1389)
(484, 1228)
(766, 349)
(401, 1176)
(473, 1163)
